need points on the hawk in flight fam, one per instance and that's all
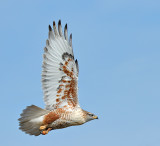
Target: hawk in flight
(59, 83)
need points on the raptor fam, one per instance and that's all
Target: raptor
(59, 83)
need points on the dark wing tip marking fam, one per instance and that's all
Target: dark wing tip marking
(66, 33)
(54, 23)
(45, 49)
(60, 28)
(55, 29)
(71, 36)
(50, 28)
(70, 40)
(59, 22)
(77, 66)
(47, 42)
(65, 26)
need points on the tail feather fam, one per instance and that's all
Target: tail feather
(31, 119)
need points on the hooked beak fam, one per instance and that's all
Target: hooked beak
(95, 117)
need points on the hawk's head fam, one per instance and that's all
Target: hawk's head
(89, 116)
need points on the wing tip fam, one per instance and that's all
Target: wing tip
(65, 26)
(54, 23)
(70, 40)
(71, 36)
(59, 22)
(50, 28)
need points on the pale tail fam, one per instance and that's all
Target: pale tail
(31, 119)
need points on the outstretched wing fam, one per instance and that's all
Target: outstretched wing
(60, 70)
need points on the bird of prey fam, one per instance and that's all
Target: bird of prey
(59, 82)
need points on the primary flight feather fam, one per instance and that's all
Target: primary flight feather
(59, 83)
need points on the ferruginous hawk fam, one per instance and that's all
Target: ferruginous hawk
(59, 83)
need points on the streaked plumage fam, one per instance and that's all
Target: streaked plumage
(59, 83)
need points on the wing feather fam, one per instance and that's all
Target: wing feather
(60, 70)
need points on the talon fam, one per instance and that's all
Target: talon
(44, 132)
(43, 127)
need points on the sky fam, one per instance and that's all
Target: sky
(117, 44)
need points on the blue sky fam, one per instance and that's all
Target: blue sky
(117, 44)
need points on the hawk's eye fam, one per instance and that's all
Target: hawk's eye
(91, 115)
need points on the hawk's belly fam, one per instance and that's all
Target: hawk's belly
(68, 119)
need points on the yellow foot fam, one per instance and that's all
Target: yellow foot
(43, 127)
(44, 132)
